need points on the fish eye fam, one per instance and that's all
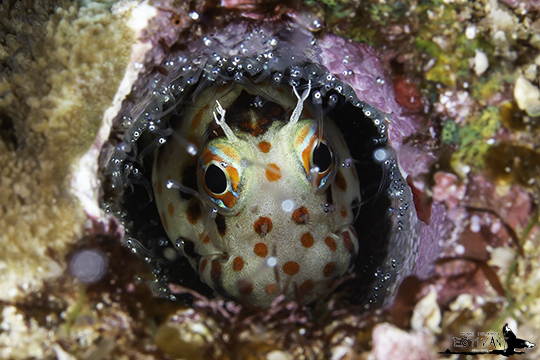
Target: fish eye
(215, 179)
(321, 157)
(220, 172)
(316, 155)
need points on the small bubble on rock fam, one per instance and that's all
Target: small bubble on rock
(89, 266)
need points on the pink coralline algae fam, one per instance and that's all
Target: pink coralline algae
(364, 69)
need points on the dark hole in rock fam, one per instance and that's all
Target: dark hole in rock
(385, 220)
(7, 131)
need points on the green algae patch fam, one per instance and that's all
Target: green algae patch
(451, 60)
(473, 139)
(442, 39)
(486, 87)
(504, 162)
(60, 67)
(450, 132)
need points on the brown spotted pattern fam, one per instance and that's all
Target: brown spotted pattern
(300, 215)
(331, 243)
(291, 268)
(215, 271)
(245, 287)
(238, 263)
(203, 265)
(260, 250)
(232, 250)
(205, 238)
(273, 172)
(306, 286)
(307, 240)
(194, 212)
(271, 289)
(329, 269)
(221, 225)
(340, 181)
(263, 225)
(347, 241)
(264, 146)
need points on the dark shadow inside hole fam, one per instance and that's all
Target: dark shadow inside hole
(7, 131)
(144, 224)
(372, 225)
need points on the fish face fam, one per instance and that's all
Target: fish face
(272, 211)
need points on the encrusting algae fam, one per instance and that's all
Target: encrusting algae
(456, 84)
(56, 82)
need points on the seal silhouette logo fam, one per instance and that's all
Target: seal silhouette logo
(491, 343)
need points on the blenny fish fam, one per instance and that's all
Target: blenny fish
(263, 165)
(266, 206)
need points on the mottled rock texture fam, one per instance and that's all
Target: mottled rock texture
(60, 67)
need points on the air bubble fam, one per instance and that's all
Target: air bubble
(381, 154)
(191, 149)
(287, 205)
(213, 213)
(271, 261)
(317, 98)
(332, 99)
(194, 15)
(170, 253)
(89, 266)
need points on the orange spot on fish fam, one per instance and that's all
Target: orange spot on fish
(273, 172)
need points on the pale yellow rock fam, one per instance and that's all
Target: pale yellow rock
(427, 314)
(481, 62)
(501, 257)
(390, 342)
(527, 96)
(60, 68)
